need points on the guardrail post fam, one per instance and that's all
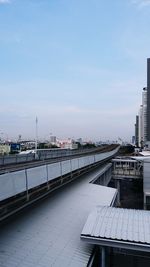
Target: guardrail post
(71, 168)
(47, 176)
(78, 166)
(61, 172)
(27, 193)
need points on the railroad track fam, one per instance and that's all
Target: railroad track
(23, 165)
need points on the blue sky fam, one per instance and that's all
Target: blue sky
(79, 65)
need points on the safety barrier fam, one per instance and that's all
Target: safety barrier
(17, 158)
(42, 154)
(14, 183)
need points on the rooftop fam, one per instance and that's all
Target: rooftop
(117, 227)
(48, 234)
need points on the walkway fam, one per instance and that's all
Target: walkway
(48, 234)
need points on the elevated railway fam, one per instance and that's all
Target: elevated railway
(45, 157)
(21, 188)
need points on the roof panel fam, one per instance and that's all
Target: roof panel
(48, 234)
(118, 224)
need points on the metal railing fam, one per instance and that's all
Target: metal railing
(16, 182)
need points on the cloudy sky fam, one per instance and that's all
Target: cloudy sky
(78, 65)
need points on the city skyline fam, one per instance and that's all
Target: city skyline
(79, 66)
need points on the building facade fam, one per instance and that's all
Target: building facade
(53, 139)
(144, 114)
(142, 125)
(141, 128)
(148, 99)
(137, 131)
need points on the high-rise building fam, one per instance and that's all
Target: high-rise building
(141, 128)
(133, 140)
(52, 139)
(141, 123)
(137, 131)
(144, 114)
(148, 99)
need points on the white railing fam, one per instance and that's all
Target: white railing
(17, 182)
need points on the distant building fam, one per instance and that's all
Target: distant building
(25, 145)
(144, 114)
(148, 99)
(137, 131)
(4, 149)
(19, 138)
(79, 140)
(133, 139)
(15, 148)
(141, 129)
(52, 139)
(68, 144)
(141, 122)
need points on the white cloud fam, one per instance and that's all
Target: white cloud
(141, 3)
(4, 1)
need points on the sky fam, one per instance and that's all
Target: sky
(78, 65)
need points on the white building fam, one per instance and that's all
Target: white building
(141, 128)
(68, 144)
(4, 149)
(144, 104)
(53, 139)
(142, 125)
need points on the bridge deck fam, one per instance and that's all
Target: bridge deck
(48, 234)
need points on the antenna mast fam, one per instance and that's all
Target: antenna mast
(36, 140)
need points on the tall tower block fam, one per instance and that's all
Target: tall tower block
(148, 99)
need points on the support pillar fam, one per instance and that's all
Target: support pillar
(103, 260)
(145, 207)
(27, 193)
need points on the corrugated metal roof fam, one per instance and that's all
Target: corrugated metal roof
(127, 225)
(48, 234)
(141, 158)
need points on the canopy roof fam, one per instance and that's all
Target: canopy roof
(117, 227)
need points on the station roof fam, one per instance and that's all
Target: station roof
(123, 160)
(117, 227)
(48, 234)
(145, 153)
(141, 158)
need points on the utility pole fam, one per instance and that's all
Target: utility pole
(36, 128)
